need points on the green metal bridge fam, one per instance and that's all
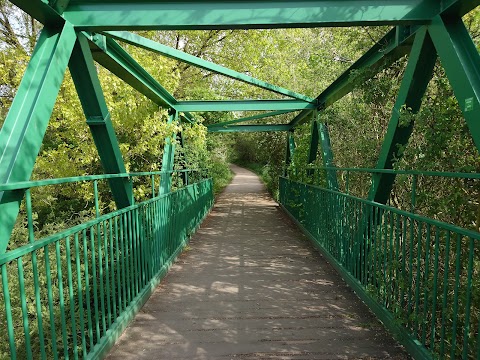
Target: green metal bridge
(102, 271)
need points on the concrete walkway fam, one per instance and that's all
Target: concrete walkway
(250, 286)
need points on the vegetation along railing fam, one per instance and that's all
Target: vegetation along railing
(419, 275)
(71, 294)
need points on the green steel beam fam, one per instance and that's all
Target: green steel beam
(328, 156)
(250, 128)
(243, 105)
(84, 75)
(313, 148)
(41, 11)
(461, 61)
(290, 151)
(119, 62)
(24, 128)
(168, 159)
(202, 15)
(59, 5)
(249, 118)
(389, 49)
(172, 53)
(417, 75)
(181, 141)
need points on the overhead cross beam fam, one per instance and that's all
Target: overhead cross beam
(243, 105)
(201, 15)
(249, 128)
(250, 118)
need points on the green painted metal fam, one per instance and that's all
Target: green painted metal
(172, 53)
(41, 11)
(96, 112)
(23, 130)
(168, 158)
(395, 44)
(417, 75)
(201, 15)
(124, 249)
(243, 105)
(382, 269)
(320, 135)
(290, 150)
(313, 148)
(249, 128)
(327, 155)
(460, 58)
(117, 60)
(249, 118)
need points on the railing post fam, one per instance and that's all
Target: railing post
(168, 158)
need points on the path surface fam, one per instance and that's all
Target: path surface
(250, 286)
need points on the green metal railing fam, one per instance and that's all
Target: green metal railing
(70, 295)
(419, 275)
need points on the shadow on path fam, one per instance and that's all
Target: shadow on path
(251, 286)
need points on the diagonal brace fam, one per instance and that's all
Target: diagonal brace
(172, 53)
(24, 128)
(417, 75)
(89, 90)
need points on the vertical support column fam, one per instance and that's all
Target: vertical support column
(24, 128)
(183, 175)
(168, 158)
(328, 156)
(289, 152)
(320, 134)
(461, 61)
(417, 75)
(89, 90)
(313, 150)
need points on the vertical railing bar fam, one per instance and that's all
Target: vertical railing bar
(410, 272)
(435, 290)
(468, 304)
(48, 273)
(130, 269)
(106, 233)
(71, 296)
(404, 263)
(95, 192)
(445, 293)
(112, 267)
(458, 253)
(385, 257)
(124, 258)
(153, 186)
(391, 294)
(94, 281)
(101, 277)
(61, 299)
(426, 283)
(23, 302)
(414, 193)
(397, 262)
(118, 267)
(417, 278)
(80, 295)
(8, 313)
(36, 283)
(87, 288)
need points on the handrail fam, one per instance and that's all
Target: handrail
(450, 174)
(23, 185)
